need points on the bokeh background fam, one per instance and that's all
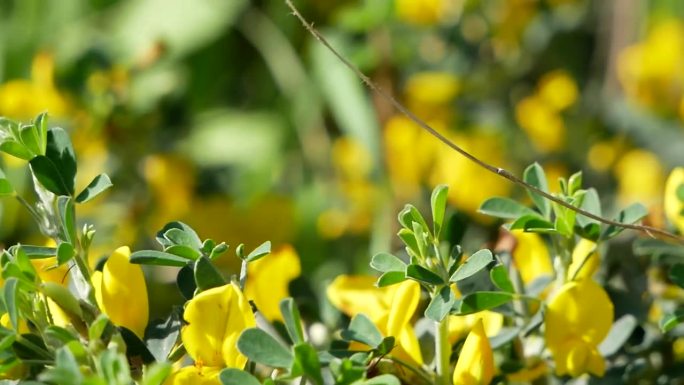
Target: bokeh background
(228, 116)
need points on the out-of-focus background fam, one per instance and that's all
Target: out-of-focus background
(228, 116)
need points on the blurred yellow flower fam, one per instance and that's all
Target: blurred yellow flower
(164, 173)
(577, 319)
(453, 169)
(268, 279)
(475, 365)
(390, 308)
(48, 271)
(421, 12)
(531, 372)
(531, 256)
(650, 71)
(216, 318)
(191, 375)
(585, 260)
(603, 154)
(121, 292)
(351, 159)
(640, 178)
(24, 99)
(542, 124)
(430, 95)
(674, 207)
(558, 90)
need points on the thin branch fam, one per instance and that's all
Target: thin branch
(648, 230)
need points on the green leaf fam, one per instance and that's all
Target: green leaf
(680, 192)
(575, 183)
(5, 185)
(391, 278)
(481, 300)
(505, 335)
(441, 304)
(534, 175)
(184, 238)
(62, 297)
(438, 205)
(420, 235)
(619, 333)
(15, 149)
(49, 176)
(260, 347)
(384, 262)
(36, 252)
(98, 185)
(676, 274)
(207, 275)
(292, 320)
(629, 215)
(67, 214)
(532, 223)
(185, 280)
(136, 350)
(409, 240)
(183, 251)
(65, 371)
(361, 329)
(161, 238)
(421, 274)
(232, 376)
(156, 373)
(669, 321)
(473, 265)
(42, 128)
(306, 359)
(61, 153)
(162, 335)
(10, 294)
(500, 278)
(504, 208)
(261, 251)
(158, 258)
(97, 327)
(30, 139)
(56, 337)
(65, 251)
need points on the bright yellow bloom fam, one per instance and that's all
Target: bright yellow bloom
(542, 124)
(390, 308)
(531, 256)
(461, 325)
(577, 319)
(191, 375)
(558, 90)
(49, 273)
(673, 205)
(24, 99)
(530, 373)
(475, 365)
(268, 279)
(585, 260)
(121, 292)
(640, 178)
(215, 318)
(422, 12)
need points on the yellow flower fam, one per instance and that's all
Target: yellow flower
(49, 273)
(530, 373)
(577, 319)
(463, 324)
(191, 375)
(542, 124)
(673, 205)
(24, 99)
(121, 292)
(640, 178)
(390, 308)
(429, 95)
(585, 260)
(531, 256)
(558, 90)
(215, 318)
(268, 279)
(422, 12)
(475, 365)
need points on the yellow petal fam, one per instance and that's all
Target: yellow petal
(558, 90)
(124, 292)
(596, 365)
(191, 375)
(215, 318)
(531, 256)
(674, 206)
(585, 260)
(475, 365)
(49, 273)
(410, 345)
(404, 304)
(354, 294)
(268, 279)
(577, 359)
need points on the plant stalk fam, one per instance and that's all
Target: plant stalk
(443, 352)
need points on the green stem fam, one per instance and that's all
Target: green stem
(418, 372)
(443, 351)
